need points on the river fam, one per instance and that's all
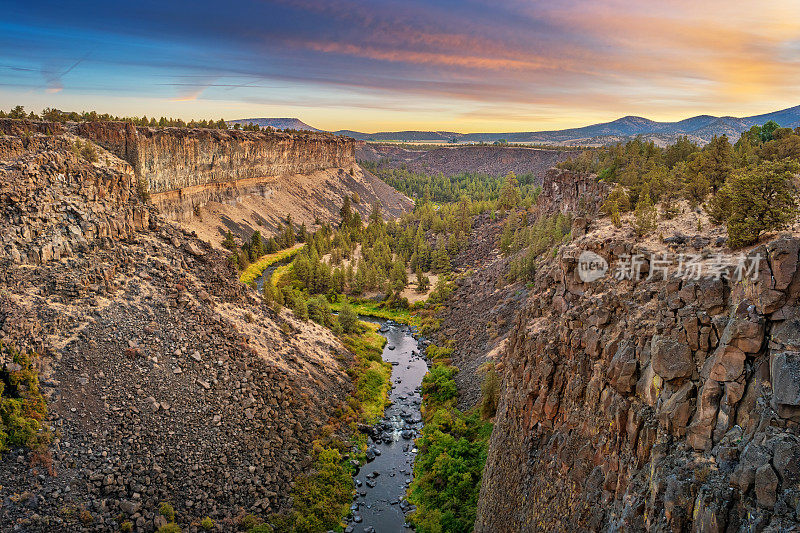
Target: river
(381, 484)
(267, 274)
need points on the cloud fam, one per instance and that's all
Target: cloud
(471, 60)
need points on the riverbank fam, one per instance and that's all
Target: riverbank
(322, 498)
(255, 269)
(452, 451)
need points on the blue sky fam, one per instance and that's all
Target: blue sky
(375, 65)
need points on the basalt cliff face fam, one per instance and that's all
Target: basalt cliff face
(650, 405)
(168, 159)
(186, 169)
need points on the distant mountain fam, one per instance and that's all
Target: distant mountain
(700, 129)
(275, 123)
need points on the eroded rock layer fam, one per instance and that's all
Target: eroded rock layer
(176, 158)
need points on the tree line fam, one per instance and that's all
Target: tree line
(748, 185)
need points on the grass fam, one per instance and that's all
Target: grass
(371, 308)
(371, 374)
(279, 273)
(258, 267)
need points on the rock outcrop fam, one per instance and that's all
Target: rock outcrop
(659, 405)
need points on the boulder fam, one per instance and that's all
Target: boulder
(671, 359)
(783, 260)
(623, 369)
(766, 486)
(674, 414)
(785, 375)
(699, 432)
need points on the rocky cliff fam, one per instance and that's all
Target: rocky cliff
(165, 378)
(492, 160)
(214, 181)
(650, 404)
(168, 159)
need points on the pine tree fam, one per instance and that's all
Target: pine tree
(646, 215)
(229, 243)
(717, 162)
(346, 213)
(509, 194)
(423, 282)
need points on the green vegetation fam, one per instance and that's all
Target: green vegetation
(748, 186)
(254, 270)
(375, 309)
(321, 499)
(452, 453)
(55, 115)
(490, 391)
(370, 374)
(482, 189)
(22, 406)
(527, 241)
(757, 199)
(167, 511)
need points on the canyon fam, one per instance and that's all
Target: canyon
(645, 404)
(166, 379)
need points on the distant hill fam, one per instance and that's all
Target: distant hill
(700, 129)
(274, 123)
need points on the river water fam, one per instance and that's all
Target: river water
(267, 274)
(381, 484)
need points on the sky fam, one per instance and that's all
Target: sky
(374, 65)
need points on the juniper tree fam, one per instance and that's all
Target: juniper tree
(760, 198)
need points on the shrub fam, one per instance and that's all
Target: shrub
(167, 511)
(89, 152)
(646, 215)
(323, 497)
(762, 198)
(438, 386)
(126, 526)
(348, 318)
(319, 310)
(22, 406)
(490, 391)
(207, 524)
(248, 522)
(172, 527)
(449, 465)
